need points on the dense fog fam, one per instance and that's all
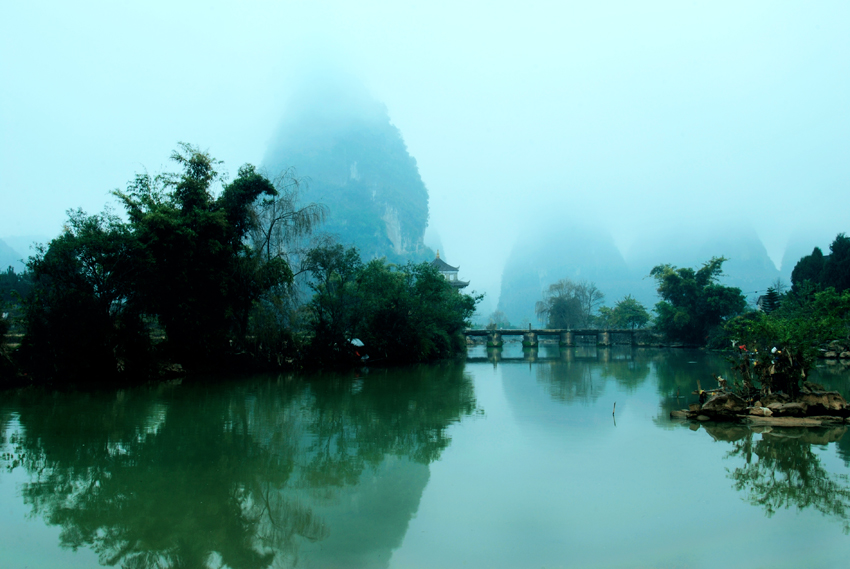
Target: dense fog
(554, 139)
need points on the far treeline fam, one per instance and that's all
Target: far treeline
(696, 310)
(199, 280)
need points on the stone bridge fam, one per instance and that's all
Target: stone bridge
(566, 337)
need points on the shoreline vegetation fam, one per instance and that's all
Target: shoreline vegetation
(208, 275)
(204, 274)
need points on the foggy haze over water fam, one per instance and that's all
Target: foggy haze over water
(644, 119)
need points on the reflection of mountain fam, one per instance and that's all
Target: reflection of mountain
(270, 472)
(577, 378)
(368, 520)
(341, 140)
(781, 470)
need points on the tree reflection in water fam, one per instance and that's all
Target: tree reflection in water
(207, 475)
(782, 471)
(580, 374)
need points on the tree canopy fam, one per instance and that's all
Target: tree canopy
(182, 262)
(406, 313)
(627, 313)
(824, 271)
(568, 304)
(693, 302)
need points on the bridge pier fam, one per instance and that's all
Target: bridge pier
(529, 340)
(494, 339)
(566, 340)
(603, 338)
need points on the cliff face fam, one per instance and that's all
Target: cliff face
(355, 161)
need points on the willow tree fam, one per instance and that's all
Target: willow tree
(567, 304)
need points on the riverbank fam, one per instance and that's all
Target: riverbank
(812, 407)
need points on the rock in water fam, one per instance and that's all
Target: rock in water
(724, 405)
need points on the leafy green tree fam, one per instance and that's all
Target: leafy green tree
(334, 270)
(411, 313)
(82, 318)
(567, 304)
(808, 269)
(627, 313)
(693, 303)
(824, 271)
(196, 271)
(836, 271)
(403, 314)
(182, 261)
(785, 342)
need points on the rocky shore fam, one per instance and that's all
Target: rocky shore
(835, 350)
(812, 407)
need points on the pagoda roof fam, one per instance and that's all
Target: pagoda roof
(442, 266)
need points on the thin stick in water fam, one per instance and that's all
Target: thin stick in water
(615, 408)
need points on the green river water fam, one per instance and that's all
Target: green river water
(506, 459)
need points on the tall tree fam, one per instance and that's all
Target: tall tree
(83, 319)
(567, 304)
(693, 302)
(771, 300)
(627, 313)
(836, 271)
(334, 270)
(403, 314)
(809, 268)
(197, 272)
(183, 260)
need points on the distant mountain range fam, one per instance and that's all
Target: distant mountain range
(579, 251)
(16, 249)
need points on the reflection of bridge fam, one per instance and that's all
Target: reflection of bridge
(566, 337)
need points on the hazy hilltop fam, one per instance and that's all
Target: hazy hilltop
(801, 243)
(10, 257)
(580, 250)
(341, 141)
(548, 252)
(748, 267)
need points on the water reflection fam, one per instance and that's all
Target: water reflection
(576, 373)
(245, 475)
(781, 470)
(580, 373)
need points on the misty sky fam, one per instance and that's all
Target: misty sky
(637, 114)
